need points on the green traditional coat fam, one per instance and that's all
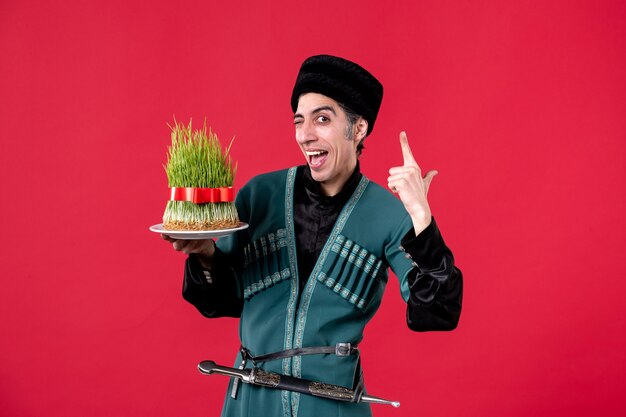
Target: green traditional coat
(342, 294)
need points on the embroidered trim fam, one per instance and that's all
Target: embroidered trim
(341, 290)
(293, 266)
(264, 246)
(357, 255)
(310, 286)
(267, 282)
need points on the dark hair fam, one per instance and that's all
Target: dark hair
(352, 119)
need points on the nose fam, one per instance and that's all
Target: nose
(305, 132)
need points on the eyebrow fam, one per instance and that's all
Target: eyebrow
(317, 110)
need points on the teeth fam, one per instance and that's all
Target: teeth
(315, 153)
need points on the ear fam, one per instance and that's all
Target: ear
(361, 129)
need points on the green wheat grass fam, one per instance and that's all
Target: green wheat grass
(196, 159)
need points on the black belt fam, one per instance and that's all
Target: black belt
(340, 349)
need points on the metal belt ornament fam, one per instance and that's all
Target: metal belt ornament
(202, 195)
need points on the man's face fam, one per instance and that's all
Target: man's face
(322, 133)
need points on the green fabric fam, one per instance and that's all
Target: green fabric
(342, 294)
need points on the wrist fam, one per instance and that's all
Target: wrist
(205, 256)
(205, 261)
(420, 223)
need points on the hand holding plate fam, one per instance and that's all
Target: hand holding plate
(204, 248)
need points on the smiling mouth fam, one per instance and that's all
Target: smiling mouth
(316, 158)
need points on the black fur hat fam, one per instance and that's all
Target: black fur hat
(343, 81)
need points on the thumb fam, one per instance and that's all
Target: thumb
(428, 179)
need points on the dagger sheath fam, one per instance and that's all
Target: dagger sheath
(303, 386)
(263, 378)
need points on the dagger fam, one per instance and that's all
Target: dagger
(256, 376)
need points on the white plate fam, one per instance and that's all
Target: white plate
(196, 234)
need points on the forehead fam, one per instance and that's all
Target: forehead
(311, 102)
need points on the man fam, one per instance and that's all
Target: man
(310, 271)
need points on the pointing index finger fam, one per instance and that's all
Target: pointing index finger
(406, 150)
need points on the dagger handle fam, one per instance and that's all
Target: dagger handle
(210, 367)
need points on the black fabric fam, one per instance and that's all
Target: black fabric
(217, 298)
(314, 217)
(435, 283)
(343, 81)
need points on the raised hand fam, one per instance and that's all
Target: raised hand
(411, 187)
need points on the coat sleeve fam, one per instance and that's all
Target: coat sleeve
(435, 283)
(214, 293)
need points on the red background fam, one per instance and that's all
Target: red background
(519, 105)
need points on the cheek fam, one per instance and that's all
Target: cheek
(345, 148)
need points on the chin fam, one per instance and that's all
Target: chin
(319, 176)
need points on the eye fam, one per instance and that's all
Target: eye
(297, 122)
(323, 119)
